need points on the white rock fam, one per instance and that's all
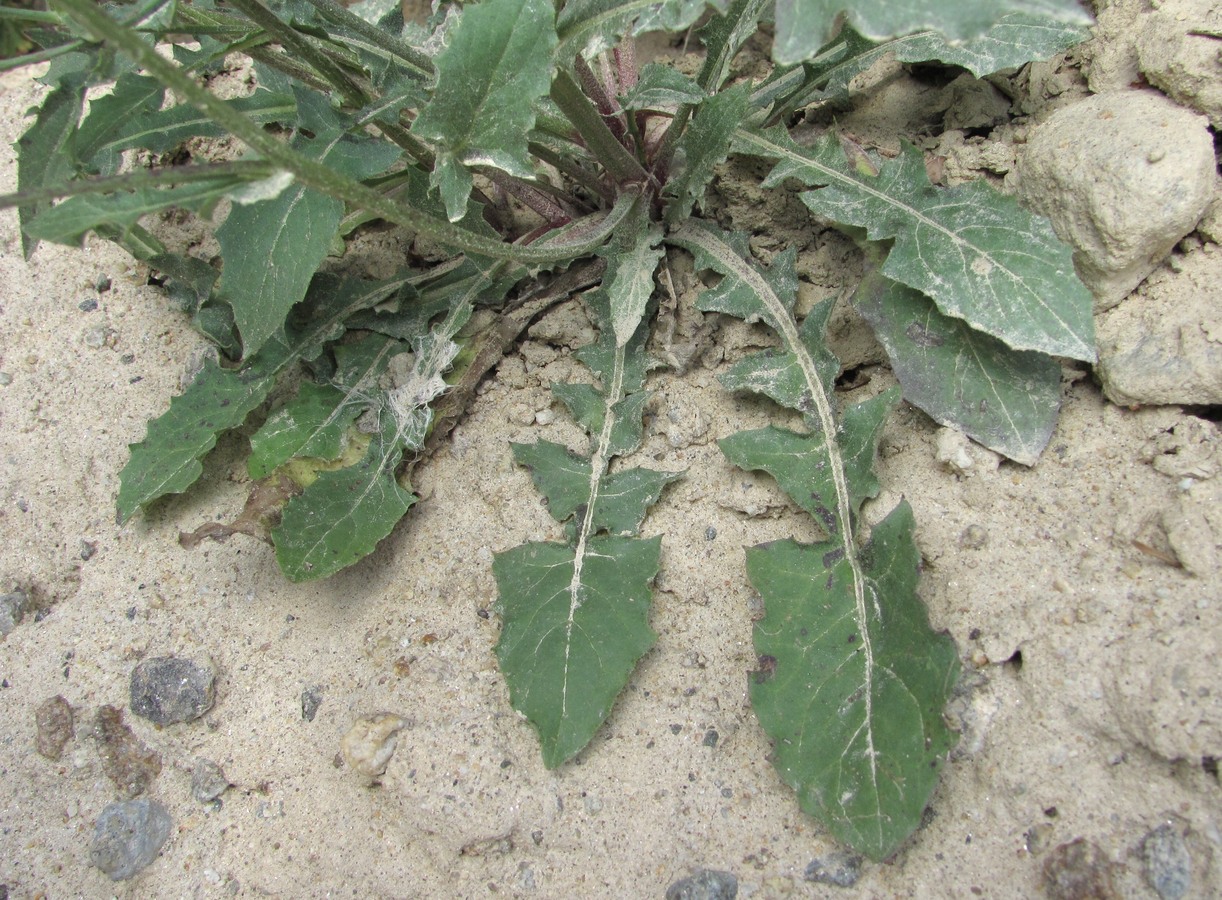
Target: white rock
(1164, 344)
(370, 743)
(1123, 176)
(1177, 49)
(954, 451)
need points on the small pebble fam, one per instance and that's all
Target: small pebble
(166, 690)
(88, 305)
(838, 868)
(208, 781)
(5, 379)
(53, 719)
(706, 884)
(96, 336)
(311, 699)
(1078, 870)
(1166, 863)
(370, 743)
(129, 764)
(973, 537)
(128, 836)
(13, 608)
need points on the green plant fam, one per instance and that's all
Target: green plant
(359, 118)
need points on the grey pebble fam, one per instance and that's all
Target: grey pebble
(13, 608)
(166, 690)
(208, 781)
(1166, 863)
(839, 868)
(128, 836)
(311, 699)
(706, 884)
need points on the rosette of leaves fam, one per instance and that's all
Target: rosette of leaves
(358, 118)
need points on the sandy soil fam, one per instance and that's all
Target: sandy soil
(1089, 707)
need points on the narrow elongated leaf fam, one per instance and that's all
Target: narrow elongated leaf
(852, 681)
(633, 255)
(162, 130)
(167, 461)
(723, 36)
(68, 222)
(976, 253)
(43, 157)
(576, 613)
(1006, 399)
(497, 64)
(1016, 39)
(704, 145)
(273, 248)
(803, 25)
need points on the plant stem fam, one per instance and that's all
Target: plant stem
(247, 170)
(619, 163)
(314, 174)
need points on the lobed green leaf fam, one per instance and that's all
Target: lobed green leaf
(576, 613)
(851, 681)
(976, 253)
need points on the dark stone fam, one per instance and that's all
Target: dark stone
(1078, 870)
(128, 836)
(311, 699)
(13, 608)
(706, 884)
(1166, 863)
(53, 718)
(125, 760)
(839, 868)
(208, 781)
(166, 690)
